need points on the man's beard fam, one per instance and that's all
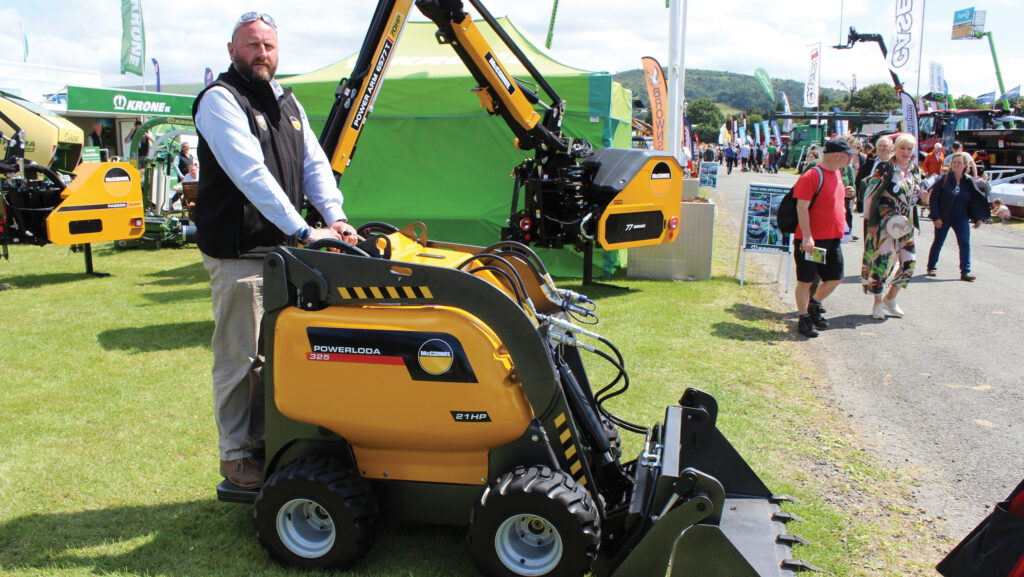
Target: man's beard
(247, 70)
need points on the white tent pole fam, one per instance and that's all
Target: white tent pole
(676, 77)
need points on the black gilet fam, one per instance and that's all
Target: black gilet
(227, 224)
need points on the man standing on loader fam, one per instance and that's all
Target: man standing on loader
(259, 159)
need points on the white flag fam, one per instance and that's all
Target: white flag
(811, 90)
(937, 78)
(787, 125)
(905, 45)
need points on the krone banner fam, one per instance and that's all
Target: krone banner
(657, 94)
(813, 77)
(905, 45)
(133, 37)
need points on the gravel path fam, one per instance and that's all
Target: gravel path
(939, 393)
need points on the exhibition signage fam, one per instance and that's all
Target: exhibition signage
(968, 23)
(811, 89)
(708, 175)
(657, 94)
(766, 82)
(909, 109)
(103, 101)
(905, 46)
(133, 37)
(760, 232)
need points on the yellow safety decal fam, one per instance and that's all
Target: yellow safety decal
(384, 293)
(571, 456)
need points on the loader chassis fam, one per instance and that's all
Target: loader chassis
(431, 387)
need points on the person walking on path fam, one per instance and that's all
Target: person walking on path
(730, 158)
(818, 234)
(955, 203)
(259, 159)
(890, 217)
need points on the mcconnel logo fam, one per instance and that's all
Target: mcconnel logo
(122, 102)
(436, 357)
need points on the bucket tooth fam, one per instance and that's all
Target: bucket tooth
(784, 517)
(799, 565)
(783, 499)
(790, 539)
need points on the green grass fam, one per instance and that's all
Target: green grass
(108, 462)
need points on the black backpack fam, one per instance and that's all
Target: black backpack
(786, 214)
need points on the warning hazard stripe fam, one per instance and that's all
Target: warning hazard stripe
(571, 456)
(386, 292)
(362, 359)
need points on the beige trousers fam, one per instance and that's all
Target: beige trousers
(236, 286)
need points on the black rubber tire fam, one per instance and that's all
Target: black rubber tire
(526, 494)
(337, 492)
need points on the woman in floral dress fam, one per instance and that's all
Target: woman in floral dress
(890, 216)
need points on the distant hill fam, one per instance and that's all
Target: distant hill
(739, 91)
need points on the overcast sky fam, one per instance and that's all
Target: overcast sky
(186, 36)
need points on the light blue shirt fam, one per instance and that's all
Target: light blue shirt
(225, 129)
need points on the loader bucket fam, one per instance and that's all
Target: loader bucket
(700, 509)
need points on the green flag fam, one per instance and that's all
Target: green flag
(766, 82)
(133, 37)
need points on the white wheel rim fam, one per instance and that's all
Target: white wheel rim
(528, 545)
(305, 528)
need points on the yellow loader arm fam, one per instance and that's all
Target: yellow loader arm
(570, 194)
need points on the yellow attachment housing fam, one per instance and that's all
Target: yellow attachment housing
(657, 187)
(102, 203)
(440, 414)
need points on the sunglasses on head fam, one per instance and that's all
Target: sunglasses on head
(254, 16)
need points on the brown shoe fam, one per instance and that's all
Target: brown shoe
(244, 473)
(968, 277)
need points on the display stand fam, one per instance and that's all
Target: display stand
(759, 231)
(708, 177)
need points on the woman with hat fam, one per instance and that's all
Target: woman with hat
(890, 216)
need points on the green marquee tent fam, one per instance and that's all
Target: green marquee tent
(430, 153)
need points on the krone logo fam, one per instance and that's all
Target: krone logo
(436, 357)
(120, 101)
(295, 122)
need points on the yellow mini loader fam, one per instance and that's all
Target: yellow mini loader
(442, 383)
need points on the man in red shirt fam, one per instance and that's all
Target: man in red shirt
(821, 227)
(932, 163)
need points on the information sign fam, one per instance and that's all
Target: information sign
(761, 225)
(709, 175)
